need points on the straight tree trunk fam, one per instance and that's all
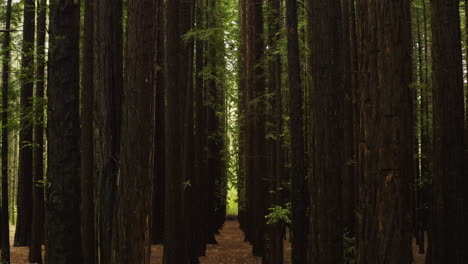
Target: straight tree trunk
(349, 163)
(175, 238)
(159, 163)
(257, 142)
(37, 232)
(4, 212)
(63, 239)
(274, 231)
(447, 231)
(328, 102)
(107, 115)
(25, 169)
(299, 187)
(385, 146)
(134, 199)
(87, 141)
(200, 125)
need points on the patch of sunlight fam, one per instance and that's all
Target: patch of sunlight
(232, 206)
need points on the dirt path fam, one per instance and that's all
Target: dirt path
(231, 249)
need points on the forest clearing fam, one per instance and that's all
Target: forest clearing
(234, 131)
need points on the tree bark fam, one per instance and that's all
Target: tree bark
(328, 101)
(176, 238)
(385, 146)
(63, 240)
(299, 188)
(159, 163)
(134, 199)
(107, 115)
(37, 232)
(87, 141)
(447, 230)
(4, 213)
(25, 169)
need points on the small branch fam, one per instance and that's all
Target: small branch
(9, 30)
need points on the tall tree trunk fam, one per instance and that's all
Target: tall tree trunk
(257, 138)
(134, 199)
(349, 148)
(37, 232)
(87, 141)
(328, 100)
(108, 82)
(159, 163)
(385, 147)
(175, 238)
(25, 173)
(274, 231)
(63, 240)
(299, 187)
(448, 233)
(200, 125)
(4, 213)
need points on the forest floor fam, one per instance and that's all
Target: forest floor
(231, 248)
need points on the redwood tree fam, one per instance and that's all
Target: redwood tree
(37, 232)
(63, 239)
(328, 98)
(385, 134)
(4, 217)
(25, 166)
(108, 82)
(298, 176)
(87, 144)
(134, 196)
(447, 231)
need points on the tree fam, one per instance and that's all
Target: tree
(328, 98)
(274, 231)
(385, 134)
(134, 195)
(37, 232)
(63, 240)
(447, 231)
(87, 141)
(25, 169)
(4, 216)
(175, 238)
(159, 163)
(107, 115)
(298, 176)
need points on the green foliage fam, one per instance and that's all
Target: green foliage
(279, 214)
(349, 247)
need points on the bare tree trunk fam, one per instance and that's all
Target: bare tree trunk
(37, 232)
(385, 146)
(25, 173)
(63, 239)
(448, 232)
(4, 212)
